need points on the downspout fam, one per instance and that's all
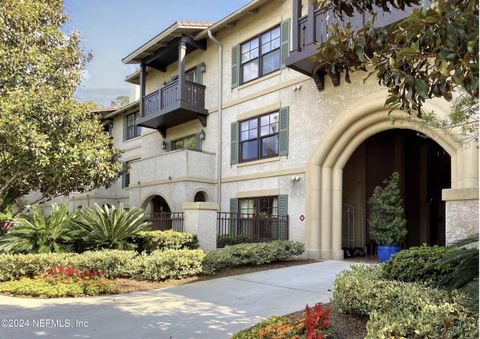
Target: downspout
(219, 110)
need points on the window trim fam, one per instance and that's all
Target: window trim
(259, 138)
(126, 175)
(137, 130)
(260, 56)
(257, 204)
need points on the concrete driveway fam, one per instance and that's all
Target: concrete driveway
(210, 309)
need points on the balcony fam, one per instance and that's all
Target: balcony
(172, 105)
(311, 30)
(174, 166)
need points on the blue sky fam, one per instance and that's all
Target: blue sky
(111, 29)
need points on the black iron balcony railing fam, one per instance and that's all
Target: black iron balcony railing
(166, 221)
(173, 105)
(169, 98)
(236, 228)
(310, 30)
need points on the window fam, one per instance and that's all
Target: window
(264, 206)
(185, 143)
(200, 197)
(126, 175)
(132, 131)
(108, 128)
(260, 55)
(259, 137)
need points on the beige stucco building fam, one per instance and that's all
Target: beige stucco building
(232, 114)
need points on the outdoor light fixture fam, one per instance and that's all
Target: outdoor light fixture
(164, 145)
(202, 135)
(203, 67)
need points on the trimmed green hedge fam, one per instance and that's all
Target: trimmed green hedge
(160, 265)
(251, 254)
(113, 263)
(150, 241)
(421, 264)
(400, 309)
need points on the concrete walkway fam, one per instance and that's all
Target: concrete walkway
(210, 309)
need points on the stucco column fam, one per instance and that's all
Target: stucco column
(313, 213)
(200, 218)
(337, 252)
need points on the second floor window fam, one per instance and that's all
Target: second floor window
(133, 130)
(185, 143)
(260, 55)
(259, 137)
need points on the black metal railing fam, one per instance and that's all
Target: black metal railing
(236, 228)
(167, 98)
(312, 28)
(166, 221)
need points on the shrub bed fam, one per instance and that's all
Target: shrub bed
(160, 265)
(61, 282)
(251, 254)
(421, 264)
(150, 241)
(113, 263)
(401, 309)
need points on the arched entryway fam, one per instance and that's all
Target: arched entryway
(324, 179)
(424, 169)
(158, 211)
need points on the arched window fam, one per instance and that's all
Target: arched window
(200, 197)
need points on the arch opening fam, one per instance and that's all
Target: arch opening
(200, 196)
(158, 212)
(424, 168)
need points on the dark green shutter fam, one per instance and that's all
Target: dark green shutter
(234, 143)
(198, 75)
(234, 205)
(284, 41)
(235, 65)
(283, 132)
(198, 142)
(283, 205)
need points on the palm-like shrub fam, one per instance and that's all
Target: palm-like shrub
(37, 233)
(108, 226)
(465, 275)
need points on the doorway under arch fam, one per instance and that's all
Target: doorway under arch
(425, 170)
(158, 211)
(324, 172)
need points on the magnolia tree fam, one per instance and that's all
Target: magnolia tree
(49, 142)
(432, 53)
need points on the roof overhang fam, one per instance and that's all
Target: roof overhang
(162, 39)
(249, 9)
(131, 107)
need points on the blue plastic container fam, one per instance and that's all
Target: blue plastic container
(385, 252)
